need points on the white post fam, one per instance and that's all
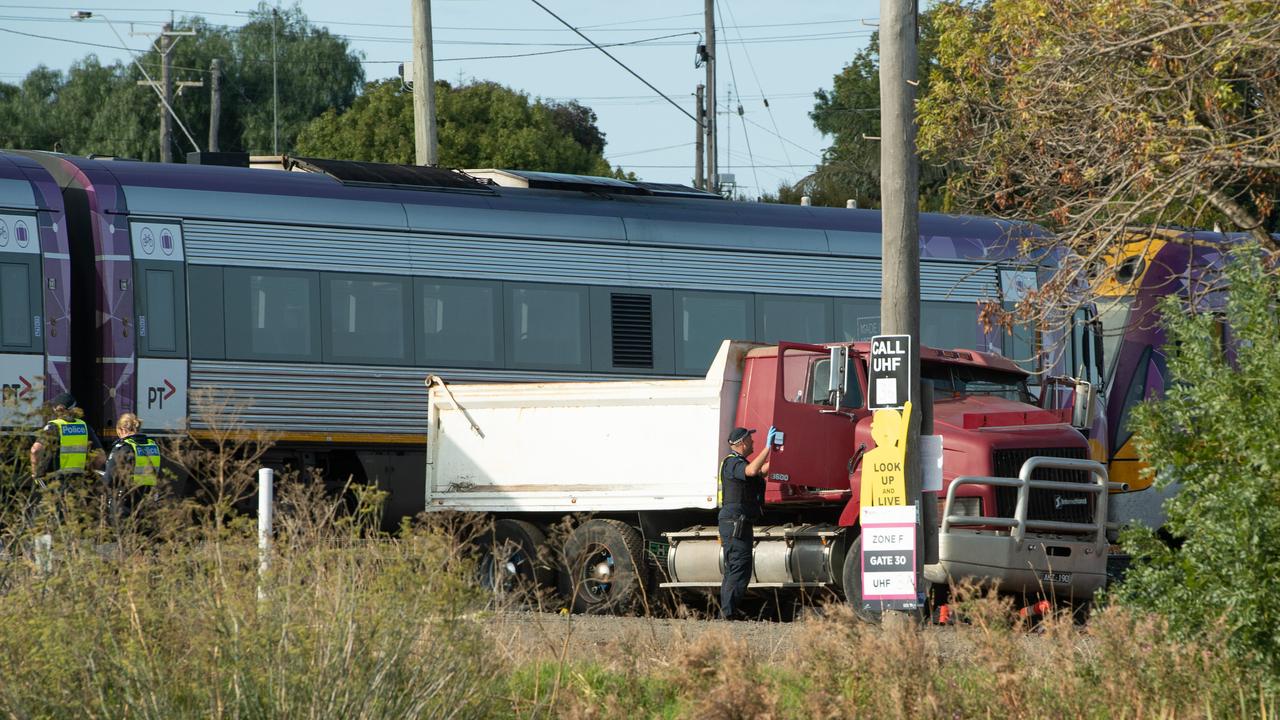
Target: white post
(266, 479)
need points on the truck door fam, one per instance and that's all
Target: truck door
(160, 302)
(817, 438)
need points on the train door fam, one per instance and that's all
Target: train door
(21, 341)
(160, 303)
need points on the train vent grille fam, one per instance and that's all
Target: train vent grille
(632, 330)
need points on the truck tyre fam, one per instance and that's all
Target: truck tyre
(510, 566)
(605, 569)
(851, 583)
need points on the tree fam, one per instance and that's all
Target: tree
(482, 124)
(1098, 116)
(850, 114)
(97, 108)
(1216, 434)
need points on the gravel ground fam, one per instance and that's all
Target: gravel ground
(528, 636)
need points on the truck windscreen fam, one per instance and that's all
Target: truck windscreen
(958, 380)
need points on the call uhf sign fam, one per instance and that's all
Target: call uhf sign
(890, 372)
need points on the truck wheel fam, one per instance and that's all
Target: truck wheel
(509, 566)
(605, 568)
(851, 582)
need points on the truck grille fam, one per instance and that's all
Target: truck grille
(1044, 504)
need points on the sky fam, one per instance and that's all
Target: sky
(779, 51)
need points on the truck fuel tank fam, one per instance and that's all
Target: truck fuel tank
(784, 556)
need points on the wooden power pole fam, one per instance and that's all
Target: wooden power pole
(713, 170)
(215, 102)
(164, 45)
(899, 192)
(426, 150)
(166, 89)
(699, 180)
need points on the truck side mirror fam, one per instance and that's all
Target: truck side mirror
(1082, 408)
(839, 380)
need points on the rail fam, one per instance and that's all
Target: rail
(1019, 524)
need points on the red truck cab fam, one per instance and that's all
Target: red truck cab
(983, 410)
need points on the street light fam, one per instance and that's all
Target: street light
(86, 15)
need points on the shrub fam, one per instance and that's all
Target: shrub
(1216, 434)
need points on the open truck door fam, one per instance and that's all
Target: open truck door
(815, 412)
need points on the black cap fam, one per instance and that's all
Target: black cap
(739, 434)
(66, 400)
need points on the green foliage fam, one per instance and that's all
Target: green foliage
(1094, 116)
(1216, 435)
(481, 124)
(96, 108)
(850, 110)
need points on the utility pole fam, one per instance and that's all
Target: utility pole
(699, 180)
(426, 151)
(164, 45)
(899, 192)
(275, 86)
(215, 102)
(713, 169)
(166, 87)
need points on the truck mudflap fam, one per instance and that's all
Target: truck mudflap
(1055, 559)
(784, 556)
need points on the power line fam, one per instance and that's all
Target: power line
(760, 87)
(686, 165)
(811, 152)
(650, 150)
(575, 48)
(616, 60)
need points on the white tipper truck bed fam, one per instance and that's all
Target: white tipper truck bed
(580, 446)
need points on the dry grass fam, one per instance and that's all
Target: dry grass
(160, 615)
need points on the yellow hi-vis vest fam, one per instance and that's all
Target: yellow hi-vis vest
(146, 462)
(73, 444)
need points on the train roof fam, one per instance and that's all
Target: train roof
(17, 189)
(639, 213)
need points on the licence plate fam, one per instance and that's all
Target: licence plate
(1053, 577)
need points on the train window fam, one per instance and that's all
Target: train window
(367, 319)
(162, 330)
(160, 304)
(704, 321)
(1022, 346)
(15, 305)
(547, 327)
(207, 315)
(795, 319)
(272, 314)
(857, 319)
(459, 323)
(948, 325)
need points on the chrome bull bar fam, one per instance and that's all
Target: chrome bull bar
(1042, 557)
(1019, 524)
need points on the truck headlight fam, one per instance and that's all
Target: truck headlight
(966, 506)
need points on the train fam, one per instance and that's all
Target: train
(319, 297)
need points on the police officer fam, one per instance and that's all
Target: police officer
(133, 466)
(68, 443)
(742, 503)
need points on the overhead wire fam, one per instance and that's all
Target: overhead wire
(759, 87)
(616, 60)
(733, 76)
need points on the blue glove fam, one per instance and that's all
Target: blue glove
(769, 438)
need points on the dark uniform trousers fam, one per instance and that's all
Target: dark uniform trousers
(737, 560)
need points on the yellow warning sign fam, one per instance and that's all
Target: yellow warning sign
(884, 475)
